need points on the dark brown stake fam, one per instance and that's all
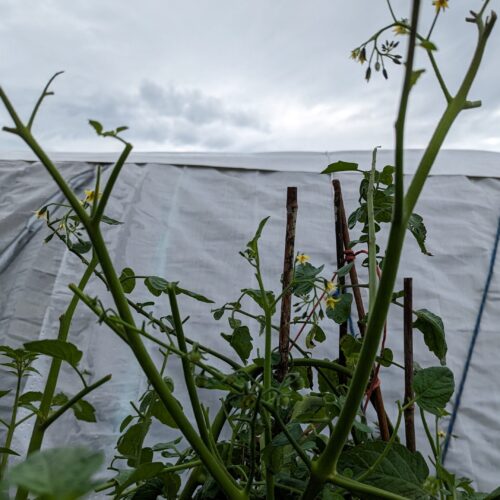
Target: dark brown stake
(376, 396)
(286, 300)
(408, 353)
(339, 241)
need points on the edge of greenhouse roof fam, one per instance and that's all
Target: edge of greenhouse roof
(472, 163)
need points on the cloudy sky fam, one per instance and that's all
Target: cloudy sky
(232, 75)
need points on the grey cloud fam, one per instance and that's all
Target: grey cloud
(194, 106)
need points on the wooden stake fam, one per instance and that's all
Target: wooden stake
(339, 241)
(408, 355)
(376, 396)
(286, 300)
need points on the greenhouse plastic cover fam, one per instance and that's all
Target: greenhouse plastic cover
(187, 223)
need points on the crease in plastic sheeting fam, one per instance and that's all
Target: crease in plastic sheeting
(161, 250)
(33, 225)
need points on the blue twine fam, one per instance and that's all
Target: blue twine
(475, 334)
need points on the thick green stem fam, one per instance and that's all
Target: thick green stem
(111, 183)
(454, 107)
(326, 465)
(187, 367)
(372, 244)
(12, 425)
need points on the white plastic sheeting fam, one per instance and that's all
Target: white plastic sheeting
(187, 223)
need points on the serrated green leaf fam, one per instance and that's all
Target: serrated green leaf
(252, 244)
(83, 410)
(344, 270)
(159, 411)
(433, 388)
(80, 246)
(304, 277)
(386, 176)
(58, 473)
(260, 297)
(156, 285)
(418, 230)
(241, 341)
(125, 422)
(96, 126)
(66, 351)
(342, 310)
(415, 76)
(428, 45)
(130, 443)
(432, 327)
(340, 166)
(30, 397)
(400, 471)
(110, 221)
(386, 357)
(281, 439)
(193, 295)
(150, 490)
(141, 473)
(310, 408)
(127, 279)
(315, 334)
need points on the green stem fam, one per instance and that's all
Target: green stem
(24, 419)
(12, 425)
(364, 489)
(77, 397)
(428, 434)
(174, 468)
(372, 244)
(43, 95)
(300, 452)
(452, 110)
(268, 373)
(326, 464)
(111, 183)
(186, 367)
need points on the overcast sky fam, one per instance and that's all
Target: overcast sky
(232, 75)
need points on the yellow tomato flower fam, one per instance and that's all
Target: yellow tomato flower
(399, 29)
(440, 4)
(302, 258)
(90, 195)
(331, 287)
(331, 302)
(441, 434)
